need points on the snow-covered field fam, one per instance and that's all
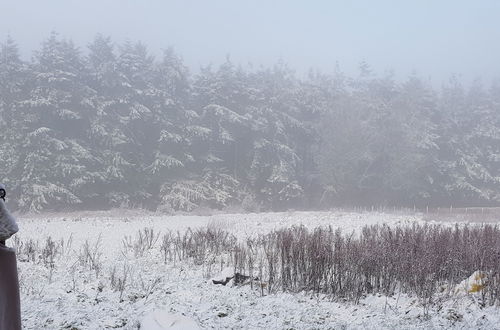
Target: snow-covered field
(69, 294)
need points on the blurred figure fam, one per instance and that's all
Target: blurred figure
(10, 307)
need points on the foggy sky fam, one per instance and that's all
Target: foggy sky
(433, 38)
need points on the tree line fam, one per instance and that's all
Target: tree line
(113, 126)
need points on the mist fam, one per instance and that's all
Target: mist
(434, 39)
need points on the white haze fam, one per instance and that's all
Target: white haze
(435, 39)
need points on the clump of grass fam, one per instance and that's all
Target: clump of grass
(144, 240)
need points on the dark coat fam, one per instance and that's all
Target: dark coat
(10, 308)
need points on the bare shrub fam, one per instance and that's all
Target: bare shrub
(119, 280)
(415, 259)
(200, 243)
(46, 254)
(166, 247)
(66, 245)
(90, 256)
(149, 286)
(144, 241)
(26, 251)
(49, 252)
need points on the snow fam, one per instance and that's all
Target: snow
(72, 295)
(474, 284)
(159, 320)
(89, 225)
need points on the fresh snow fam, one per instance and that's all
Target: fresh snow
(69, 296)
(159, 320)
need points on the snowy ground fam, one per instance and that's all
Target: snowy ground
(72, 296)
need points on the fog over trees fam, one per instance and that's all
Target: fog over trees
(112, 126)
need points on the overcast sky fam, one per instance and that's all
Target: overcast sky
(435, 38)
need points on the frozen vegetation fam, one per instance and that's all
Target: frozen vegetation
(296, 270)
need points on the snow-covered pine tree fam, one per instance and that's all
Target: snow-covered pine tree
(126, 118)
(275, 171)
(468, 152)
(173, 158)
(14, 75)
(414, 174)
(55, 159)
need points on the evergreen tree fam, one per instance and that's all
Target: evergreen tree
(55, 159)
(120, 128)
(14, 77)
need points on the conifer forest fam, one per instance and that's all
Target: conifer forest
(108, 125)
